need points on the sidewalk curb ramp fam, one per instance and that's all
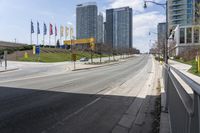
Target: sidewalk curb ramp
(8, 70)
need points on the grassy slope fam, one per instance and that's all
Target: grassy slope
(58, 57)
(194, 69)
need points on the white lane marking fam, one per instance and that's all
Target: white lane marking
(34, 77)
(71, 115)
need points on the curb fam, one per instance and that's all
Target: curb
(164, 116)
(99, 66)
(96, 67)
(8, 70)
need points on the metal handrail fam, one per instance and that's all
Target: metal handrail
(177, 96)
(187, 100)
(193, 84)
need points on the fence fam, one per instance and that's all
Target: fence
(183, 108)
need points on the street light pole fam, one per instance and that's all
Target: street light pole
(165, 6)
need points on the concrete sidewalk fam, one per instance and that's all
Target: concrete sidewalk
(184, 69)
(3, 69)
(8, 68)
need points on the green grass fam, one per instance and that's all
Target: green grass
(58, 57)
(193, 63)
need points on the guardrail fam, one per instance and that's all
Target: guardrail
(183, 108)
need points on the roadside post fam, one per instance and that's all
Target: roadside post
(198, 60)
(92, 46)
(38, 52)
(33, 50)
(5, 58)
(1, 59)
(74, 59)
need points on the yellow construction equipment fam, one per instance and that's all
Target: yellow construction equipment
(80, 41)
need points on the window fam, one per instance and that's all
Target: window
(196, 35)
(182, 35)
(189, 35)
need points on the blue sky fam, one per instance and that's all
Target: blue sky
(15, 17)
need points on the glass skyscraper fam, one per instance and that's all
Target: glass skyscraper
(100, 28)
(118, 30)
(86, 20)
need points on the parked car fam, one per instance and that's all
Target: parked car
(84, 59)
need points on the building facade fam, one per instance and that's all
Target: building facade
(118, 28)
(184, 38)
(180, 12)
(86, 20)
(183, 16)
(100, 28)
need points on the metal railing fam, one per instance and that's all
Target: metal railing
(183, 108)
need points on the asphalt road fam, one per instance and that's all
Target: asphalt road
(74, 102)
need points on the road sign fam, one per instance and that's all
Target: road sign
(37, 50)
(73, 57)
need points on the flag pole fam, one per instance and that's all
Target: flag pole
(49, 34)
(31, 33)
(49, 40)
(55, 40)
(37, 38)
(43, 35)
(31, 39)
(43, 40)
(60, 35)
(55, 34)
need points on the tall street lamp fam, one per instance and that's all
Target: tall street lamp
(164, 5)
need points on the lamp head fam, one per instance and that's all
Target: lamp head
(145, 4)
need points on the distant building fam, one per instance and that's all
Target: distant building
(86, 20)
(118, 28)
(100, 28)
(161, 35)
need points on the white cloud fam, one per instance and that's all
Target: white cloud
(69, 23)
(143, 22)
(137, 5)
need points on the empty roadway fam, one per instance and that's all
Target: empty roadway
(72, 102)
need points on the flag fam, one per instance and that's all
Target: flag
(50, 29)
(38, 28)
(45, 29)
(71, 32)
(61, 31)
(56, 31)
(66, 31)
(32, 28)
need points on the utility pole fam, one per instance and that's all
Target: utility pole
(165, 6)
(5, 58)
(16, 52)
